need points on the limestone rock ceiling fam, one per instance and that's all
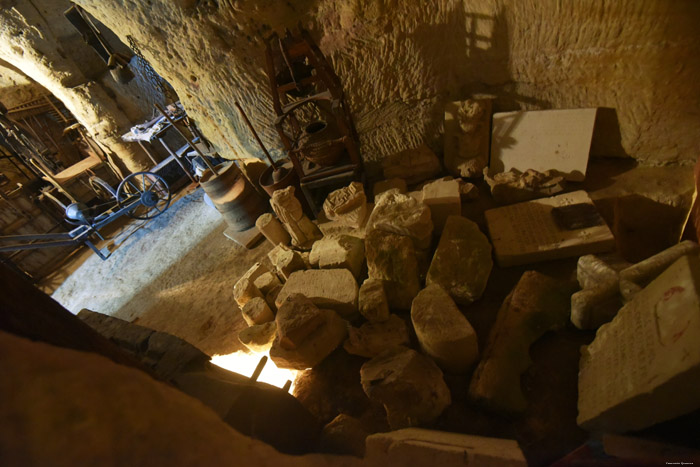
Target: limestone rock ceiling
(400, 61)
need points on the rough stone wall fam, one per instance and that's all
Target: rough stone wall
(16, 87)
(401, 60)
(39, 43)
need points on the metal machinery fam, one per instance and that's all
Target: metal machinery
(141, 195)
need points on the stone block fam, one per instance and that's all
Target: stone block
(402, 215)
(468, 191)
(643, 367)
(462, 262)
(256, 311)
(334, 289)
(467, 136)
(305, 334)
(371, 339)
(373, 302)
(444, 200)
(382, 186)
(443, 332)
(286, 261)
(547, 229)
(296, 319)
(258, 338)
(339, 252)
(244, 291)
(414, 447)
(344, 435)
(266, 282)
(412, 165)
(408, 384)
(536, 305)
(391, 258)
(245, 288)
(347, 205)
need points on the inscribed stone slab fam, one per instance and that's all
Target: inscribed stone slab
(528, 232)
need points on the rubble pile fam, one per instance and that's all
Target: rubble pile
(394, 282)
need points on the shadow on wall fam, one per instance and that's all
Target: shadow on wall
(477, 61)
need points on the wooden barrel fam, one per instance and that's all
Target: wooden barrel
(234, 197)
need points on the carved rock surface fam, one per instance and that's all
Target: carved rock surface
(408, 384)
(391, 259)
(402, 215)
(412, 165)
(334, 289)
(467, 136)
(347, 205)
(371, 339)
(444, 333)
(462, 262)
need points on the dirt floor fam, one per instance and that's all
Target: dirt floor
(174, 274)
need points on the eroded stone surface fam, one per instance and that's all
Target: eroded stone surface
(537, 304)
(339, 252)
(334, 289)
(408, 384)
(514, 186)
(444, 333)
(344, 435)
(305, 334)
(256, 311)
(266, 282)
(297, 317)
(373, 338)
(391, 258)
(373, 302)
(258, 338)
(462, 262)
(403, 215)
(286, 261)
(245, 288)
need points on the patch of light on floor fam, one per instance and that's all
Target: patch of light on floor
(244, 364)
